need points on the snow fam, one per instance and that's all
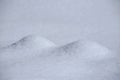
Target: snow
(36, 58)
(33, 41)
(62, 21)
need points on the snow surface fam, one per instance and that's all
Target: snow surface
(36, 58)
(61, 21)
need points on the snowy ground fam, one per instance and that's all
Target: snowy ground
(36, 58)
(61, 21)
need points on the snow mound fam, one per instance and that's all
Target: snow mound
(33, 41)
(28, 46)
(85, 49)
(79, 60)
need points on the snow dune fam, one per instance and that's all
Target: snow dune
(36, 58)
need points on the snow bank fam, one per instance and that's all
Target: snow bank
(34, 58)
(28, 46)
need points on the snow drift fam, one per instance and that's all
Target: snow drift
(36, 58)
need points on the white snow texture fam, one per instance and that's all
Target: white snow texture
(36, 58)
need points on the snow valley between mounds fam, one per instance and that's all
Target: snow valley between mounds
(36, 58)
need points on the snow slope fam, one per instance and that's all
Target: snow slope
(34, 58)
